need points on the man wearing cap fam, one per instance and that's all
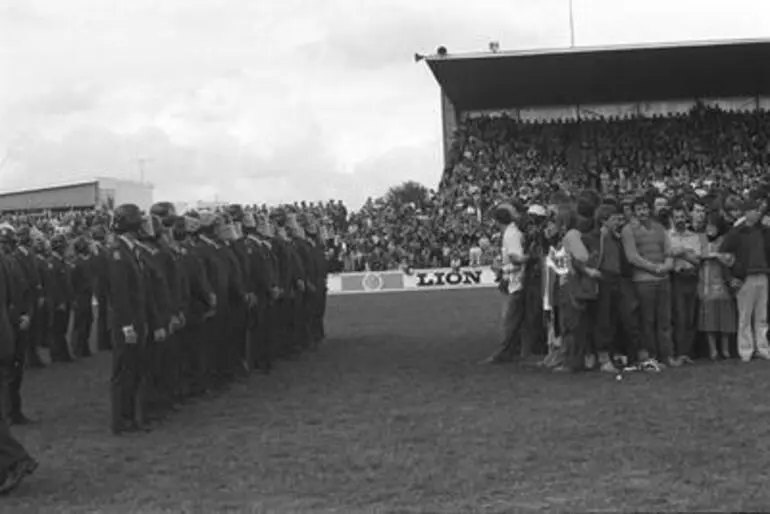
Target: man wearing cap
(209, 249)
(198, 306)
(307, 274)
(129, 319)
(238, 299)
(100, 262)
(261, 275)
(61, 296)
(28, 263)
(318, 253)
(514, 260)
(83, 292)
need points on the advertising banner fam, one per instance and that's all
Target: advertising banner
(414, 280)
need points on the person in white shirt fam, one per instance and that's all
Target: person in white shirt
(513, 260)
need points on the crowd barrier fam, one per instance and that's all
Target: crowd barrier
(416, 280)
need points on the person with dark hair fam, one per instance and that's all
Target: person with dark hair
(648, 249)
(507, 217)
(579, 290)
(749, 244)
(686, 250)
(717, 316)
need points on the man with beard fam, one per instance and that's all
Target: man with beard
(648, 250)
(686, 250)
(129, 319)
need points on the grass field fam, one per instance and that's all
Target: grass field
(394, 415)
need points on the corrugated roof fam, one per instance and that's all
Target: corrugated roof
(572, 76)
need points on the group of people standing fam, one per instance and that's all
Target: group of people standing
(186, 303)
(635, 283)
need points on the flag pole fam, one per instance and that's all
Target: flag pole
(571, 25)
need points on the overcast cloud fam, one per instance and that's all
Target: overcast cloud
(275, 100)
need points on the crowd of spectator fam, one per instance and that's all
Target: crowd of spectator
(703, 152)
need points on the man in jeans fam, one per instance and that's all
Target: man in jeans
(512, 280)
(648, 250)
(749, 245)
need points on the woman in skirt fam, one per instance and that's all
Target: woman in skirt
(717, 316)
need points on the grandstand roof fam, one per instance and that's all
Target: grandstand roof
(582, 75)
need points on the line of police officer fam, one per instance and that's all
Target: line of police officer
(197, 300)
(187, 303)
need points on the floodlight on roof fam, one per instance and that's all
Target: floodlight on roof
(494, 46)
(441, 51)
(418, 57)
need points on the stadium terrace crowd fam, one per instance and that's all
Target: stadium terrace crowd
(185, 303)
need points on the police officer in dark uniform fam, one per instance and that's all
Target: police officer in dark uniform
(201, 307)
(305, 268)
(100, 261)
(209, 249)
(15, 462)
(262, 283)
(61, 297)
(129, 321)
(41, 322)
(83, 293)
(159, 315)
(25, 255)
(318, 306)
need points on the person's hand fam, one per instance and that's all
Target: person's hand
(129, 335)
(24, 322)
(736, 283)
(593, 273)
(159, 335)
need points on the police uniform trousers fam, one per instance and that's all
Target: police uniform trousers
(15, 372)
(125, 383)
(284, 326)
(83, 314)
(259, 335)
(40, 329)
(103, 339)
(60, 351)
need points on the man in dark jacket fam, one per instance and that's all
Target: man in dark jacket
(749, 245)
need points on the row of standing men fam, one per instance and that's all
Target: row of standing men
(186, 303)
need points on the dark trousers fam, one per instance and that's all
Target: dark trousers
(617, 326)
(103, 338)
(259, 336)
(11, 451)
(684, 303)
(577, 319)
(125, 384)
(16, 372)
(81, 331)
(60, 351)
(38, 336)
(532, 337)
(655, 309)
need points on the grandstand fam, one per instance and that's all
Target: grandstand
(586, 83)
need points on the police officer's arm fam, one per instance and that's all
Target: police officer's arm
(120, 273)
(234, 274)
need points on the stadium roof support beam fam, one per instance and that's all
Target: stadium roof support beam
(584, 76)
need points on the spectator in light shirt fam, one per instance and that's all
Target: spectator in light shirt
(512, 284)
(686, 250)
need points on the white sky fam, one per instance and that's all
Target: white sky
(275, 100)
